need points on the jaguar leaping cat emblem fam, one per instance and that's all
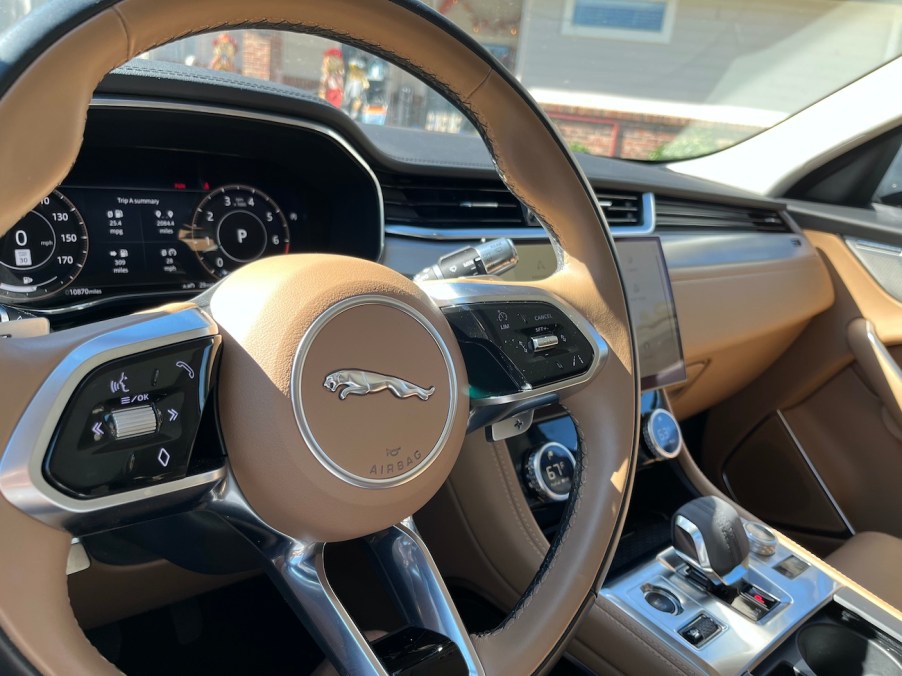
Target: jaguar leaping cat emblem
(366, 382)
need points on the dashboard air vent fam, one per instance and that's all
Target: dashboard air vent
(621, 209)
(451, 205)
(677, 214)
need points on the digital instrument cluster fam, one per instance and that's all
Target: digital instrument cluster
(178, 238)
(166, 203)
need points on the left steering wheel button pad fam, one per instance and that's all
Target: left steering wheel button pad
(131, 423)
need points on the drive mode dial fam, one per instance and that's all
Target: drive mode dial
(549, 472)
(661, 433)
(234, 225)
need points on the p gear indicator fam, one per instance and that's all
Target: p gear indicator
(234, 225)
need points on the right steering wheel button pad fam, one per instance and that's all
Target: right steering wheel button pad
(517, 346)
(132, 422)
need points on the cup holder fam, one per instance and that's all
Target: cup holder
(837, 650)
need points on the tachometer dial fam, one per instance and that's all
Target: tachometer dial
(44, 251)
(234, 225)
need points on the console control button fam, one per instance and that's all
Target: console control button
(759, 601)
(791, 567)
(762, 540)
(131, 423)
(662, 600)
(701, 630)
(137, 421)
(661, 434)
(549, 472)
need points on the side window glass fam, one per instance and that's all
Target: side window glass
(890, 189)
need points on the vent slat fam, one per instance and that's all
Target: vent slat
(688, 215)
(451, 204)
(621, 209)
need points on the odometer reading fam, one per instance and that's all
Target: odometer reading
(44, 251)
(234, 225)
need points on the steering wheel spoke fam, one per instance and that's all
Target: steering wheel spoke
(404, 564)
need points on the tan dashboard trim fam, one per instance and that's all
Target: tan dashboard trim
(720, 306)
(736, 320)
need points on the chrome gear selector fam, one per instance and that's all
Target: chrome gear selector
(708, 534)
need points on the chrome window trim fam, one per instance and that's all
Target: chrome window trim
(22, 481)
(451, 294)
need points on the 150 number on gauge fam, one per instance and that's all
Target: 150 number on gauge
(234, 225)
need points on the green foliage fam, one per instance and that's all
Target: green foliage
(697, 141)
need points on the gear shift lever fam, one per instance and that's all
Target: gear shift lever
(709, 536)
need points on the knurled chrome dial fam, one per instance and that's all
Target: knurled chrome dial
(661, 433)
(549, 472)
(762, 540)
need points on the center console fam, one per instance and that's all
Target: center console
(777, 612)
(721, 591)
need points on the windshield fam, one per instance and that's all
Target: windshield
(635, 79)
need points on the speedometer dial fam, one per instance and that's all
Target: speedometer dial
(234, 225)
(44, 251)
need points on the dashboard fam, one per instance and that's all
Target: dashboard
(169, 206)
(177, 185)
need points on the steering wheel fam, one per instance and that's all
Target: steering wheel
(341, 389)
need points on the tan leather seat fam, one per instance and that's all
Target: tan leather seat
(873, 560)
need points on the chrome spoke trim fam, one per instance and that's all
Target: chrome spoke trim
(22, 481)
(297, 568)
(301, 570)
(409, 570)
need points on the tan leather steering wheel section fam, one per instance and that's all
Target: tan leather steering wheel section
(335, 491)
(44, 110)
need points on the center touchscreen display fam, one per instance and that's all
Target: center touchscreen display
(652, 311)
